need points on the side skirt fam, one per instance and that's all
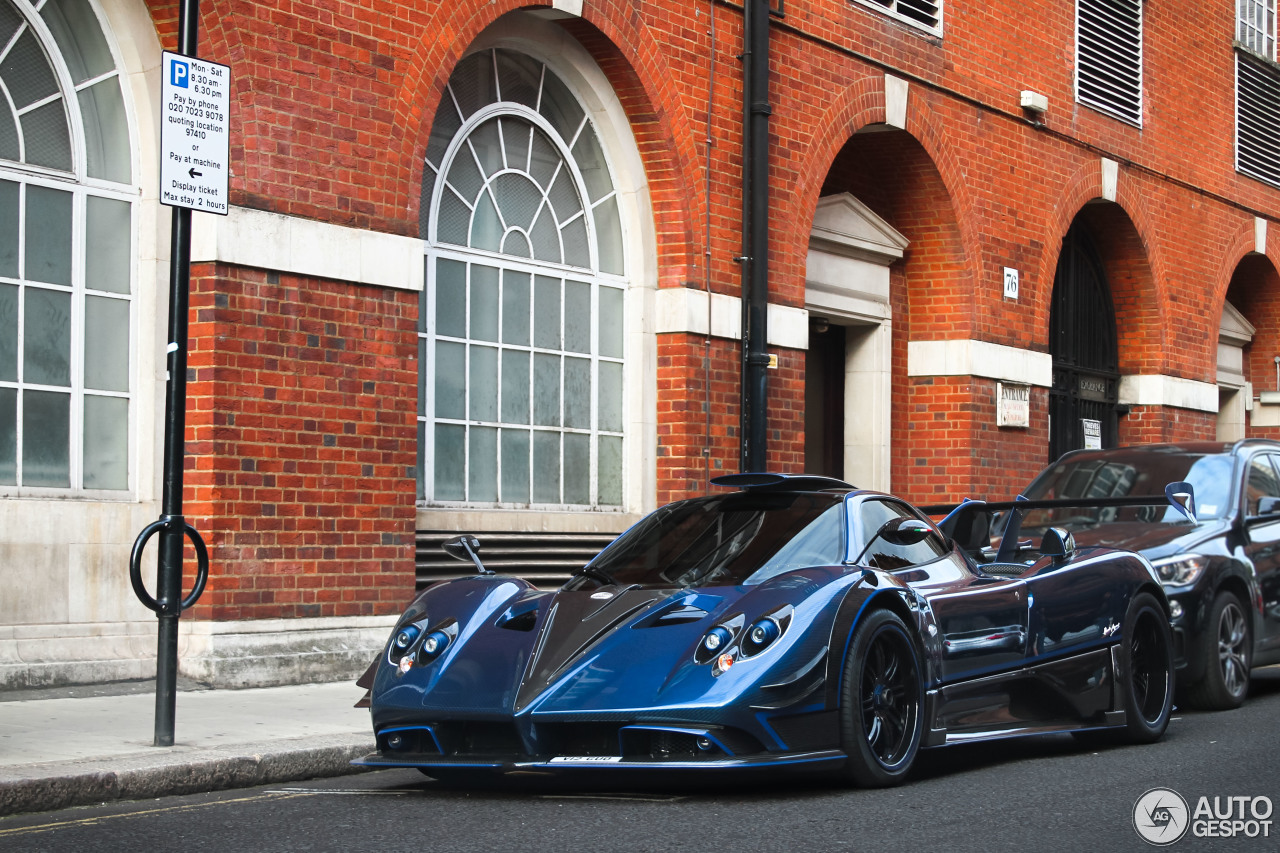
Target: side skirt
(1067, 694)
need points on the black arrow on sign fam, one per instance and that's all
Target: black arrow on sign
(193, 173)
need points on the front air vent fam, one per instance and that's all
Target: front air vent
(544, 559)
(520, 617)
(681, 614)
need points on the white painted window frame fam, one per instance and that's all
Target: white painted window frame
(889, 8)
(436, 250)
(1256, 27)
(81, 186)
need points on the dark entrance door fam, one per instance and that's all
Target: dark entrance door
(1082, 341)
(824, 400)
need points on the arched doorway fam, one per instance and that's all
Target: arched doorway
(1083, 406)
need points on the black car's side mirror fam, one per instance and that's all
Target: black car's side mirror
(1268, 506)
(1182, 497)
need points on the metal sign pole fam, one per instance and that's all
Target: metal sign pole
(169, 577)
(168, 603)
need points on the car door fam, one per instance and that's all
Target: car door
(1262, 541)
(983, 620)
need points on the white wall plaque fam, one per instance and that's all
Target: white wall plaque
(1092, 433)
(1010, 283)
(1013, 405)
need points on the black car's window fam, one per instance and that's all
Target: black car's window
(742, 538)
(1137, 473)
(885, 555)
(1262, 482)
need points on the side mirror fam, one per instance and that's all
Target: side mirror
(903, 531)
(1059, 544)
(1269, 506)
(1183, 498)
(466, 547)
(898, 531)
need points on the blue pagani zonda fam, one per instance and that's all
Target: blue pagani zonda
(797, 623)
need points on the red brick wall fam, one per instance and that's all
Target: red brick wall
(1151, 424)
(301, 433)
(333, 103)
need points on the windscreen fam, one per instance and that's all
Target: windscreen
(738, 539)
(1117, 474)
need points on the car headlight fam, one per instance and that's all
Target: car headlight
(760, 635)
(404, 639)
(1180, 570)
(434, 644)
(717, 639)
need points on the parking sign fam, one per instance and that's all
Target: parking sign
(194, 137)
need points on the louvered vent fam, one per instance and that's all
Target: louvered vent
(921, 13)
(1109, 57)
(1257, 119)
(544, 559)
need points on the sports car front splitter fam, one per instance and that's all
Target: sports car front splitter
(554, 764)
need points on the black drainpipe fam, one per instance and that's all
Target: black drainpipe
(755, 237)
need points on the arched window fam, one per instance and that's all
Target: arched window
(66, 252)
(521, 322)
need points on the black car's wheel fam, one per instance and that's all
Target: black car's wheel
(881, 712)
(1227, 648)
(1146, 661)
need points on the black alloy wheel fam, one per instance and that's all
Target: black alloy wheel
(881, 717)
(1147, 669)
(1227, 646)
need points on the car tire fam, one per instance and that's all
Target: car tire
(1226, 645)
(882, 707)
(1146, 669)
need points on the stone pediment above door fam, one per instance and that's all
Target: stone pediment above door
(1234, 334)
(850, 251)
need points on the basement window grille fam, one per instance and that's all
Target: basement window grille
(1257, 118)
(1109, 57)
(923, 14)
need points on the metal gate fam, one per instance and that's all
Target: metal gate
(1083, 403)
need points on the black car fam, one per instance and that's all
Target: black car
(1221, 572)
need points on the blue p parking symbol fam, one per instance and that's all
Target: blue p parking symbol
(179, 74)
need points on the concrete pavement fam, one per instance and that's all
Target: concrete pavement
(79, 745)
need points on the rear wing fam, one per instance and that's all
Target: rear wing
(969, 523)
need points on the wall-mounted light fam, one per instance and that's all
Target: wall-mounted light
(1034, 102)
